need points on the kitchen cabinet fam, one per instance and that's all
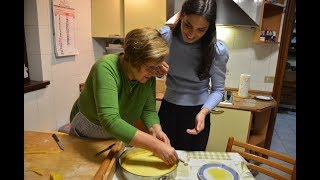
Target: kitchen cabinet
(226, 123)
(271, 13)
(114, 18)
(247, 120)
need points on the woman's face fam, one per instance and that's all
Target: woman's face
(145, 72)
(193, 27)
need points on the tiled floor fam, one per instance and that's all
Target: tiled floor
(284, 137)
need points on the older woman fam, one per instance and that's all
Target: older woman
(120, 89)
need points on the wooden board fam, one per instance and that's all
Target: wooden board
(77, 161)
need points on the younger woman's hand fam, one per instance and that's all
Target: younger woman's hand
(162, 70)
(199, 122)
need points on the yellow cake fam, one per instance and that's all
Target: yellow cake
(145, 163)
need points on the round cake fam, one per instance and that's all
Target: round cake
(145, 163)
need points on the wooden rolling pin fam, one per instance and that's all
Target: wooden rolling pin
(108, 165)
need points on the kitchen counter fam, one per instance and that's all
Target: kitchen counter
(77, 161)
(247, 104)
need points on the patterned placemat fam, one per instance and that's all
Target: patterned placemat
(209, 155)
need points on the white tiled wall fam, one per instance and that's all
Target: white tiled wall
(48, 109)
(258, 60)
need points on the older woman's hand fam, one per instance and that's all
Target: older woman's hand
(157, 132)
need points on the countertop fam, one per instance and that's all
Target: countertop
(247, 104)
(77, 161)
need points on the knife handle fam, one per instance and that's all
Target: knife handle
(55, 137)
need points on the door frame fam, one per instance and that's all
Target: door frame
(287, 28)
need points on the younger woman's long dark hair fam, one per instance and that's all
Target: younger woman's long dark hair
(207, 9)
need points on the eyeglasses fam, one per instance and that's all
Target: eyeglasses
(152, 69)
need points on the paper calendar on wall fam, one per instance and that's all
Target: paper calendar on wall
(64, 28)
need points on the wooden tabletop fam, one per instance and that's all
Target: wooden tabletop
(77, 161)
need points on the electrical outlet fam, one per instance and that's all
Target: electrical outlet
(268, 79)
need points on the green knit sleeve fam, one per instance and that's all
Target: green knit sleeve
(149, 115)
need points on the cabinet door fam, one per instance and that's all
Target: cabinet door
(114, 18)
(229, 122)
(107, 18)
(142, 13)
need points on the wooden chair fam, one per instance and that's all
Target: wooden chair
(258, 154)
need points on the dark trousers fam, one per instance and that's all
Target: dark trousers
(175, 120)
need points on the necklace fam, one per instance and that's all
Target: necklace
(130, 83)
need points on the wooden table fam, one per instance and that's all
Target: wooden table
(196, 159)
(77, 161)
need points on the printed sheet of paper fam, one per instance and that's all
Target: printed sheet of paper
(64, 28)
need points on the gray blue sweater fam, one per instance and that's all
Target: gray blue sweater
(183, 86)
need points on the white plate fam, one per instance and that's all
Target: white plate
(217, 171)
(266, 98)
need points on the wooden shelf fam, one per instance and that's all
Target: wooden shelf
(266, 42)
(35, 85)
(270, 20)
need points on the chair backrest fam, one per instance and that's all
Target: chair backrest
(260, 156)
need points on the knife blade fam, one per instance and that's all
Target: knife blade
(55, 137)
(104, 150)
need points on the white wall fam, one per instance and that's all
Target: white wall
(47, 109)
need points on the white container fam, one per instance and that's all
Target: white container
(244, 85)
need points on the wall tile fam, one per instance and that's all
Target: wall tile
(243, 37)
(83, 62)
(35, 67)
(241, 60)
(32, 40)
(84, 39)
(46, 112)
(44, 10)
(273, 60)
(46, 66)
(269, 87)
(83, 14)
(226, 34)
(31, 112)
(45, 34)
(259, 70)
(63, 67)
(66, 91)
(254, 85)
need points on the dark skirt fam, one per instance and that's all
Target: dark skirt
(176, 119)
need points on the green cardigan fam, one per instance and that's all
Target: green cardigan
(106, 99)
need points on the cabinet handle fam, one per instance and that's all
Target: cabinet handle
(216, 111)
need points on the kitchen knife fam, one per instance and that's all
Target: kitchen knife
(104, 150)
(55, 137)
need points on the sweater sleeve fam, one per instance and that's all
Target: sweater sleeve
(105, 92)
(149, 114)
(218, 75)
(166, 33)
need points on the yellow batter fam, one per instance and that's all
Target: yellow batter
(218, 174)
(145, 163)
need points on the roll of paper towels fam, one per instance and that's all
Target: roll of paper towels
(244, 85)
